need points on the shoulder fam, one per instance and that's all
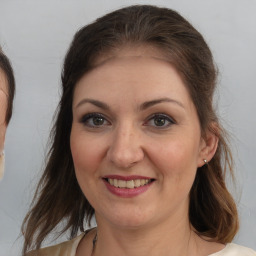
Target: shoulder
(235, 250)
(67, 248)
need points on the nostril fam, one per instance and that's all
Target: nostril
(125, 157)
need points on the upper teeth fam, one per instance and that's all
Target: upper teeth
(129, 183)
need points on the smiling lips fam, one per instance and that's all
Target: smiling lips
(129, 183)
(127, 186)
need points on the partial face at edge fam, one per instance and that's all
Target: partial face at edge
(133, 117)
(3, 108)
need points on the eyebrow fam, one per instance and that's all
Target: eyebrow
(97, 103)
(143, 106)
(151, 103)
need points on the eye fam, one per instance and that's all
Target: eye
(160, 121)
(94, 120)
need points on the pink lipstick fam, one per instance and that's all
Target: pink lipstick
(127, 186)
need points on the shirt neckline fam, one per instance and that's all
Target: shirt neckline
(221, 251)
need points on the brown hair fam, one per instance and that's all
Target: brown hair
(6, 67)
(58, 196)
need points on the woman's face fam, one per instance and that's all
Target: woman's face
(135, 141)
(3, 108)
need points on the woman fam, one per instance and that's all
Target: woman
(137, 144)
(7, 88)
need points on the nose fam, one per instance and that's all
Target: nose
(125, 149)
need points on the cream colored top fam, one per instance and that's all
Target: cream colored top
(69, 249)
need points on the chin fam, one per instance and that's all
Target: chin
(130, 219)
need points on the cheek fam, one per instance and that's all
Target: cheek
(86, 153)
(176, 159)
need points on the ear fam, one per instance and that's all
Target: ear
(208, 145)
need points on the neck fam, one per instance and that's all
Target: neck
(165, 239)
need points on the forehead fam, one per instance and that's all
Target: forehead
(133, 69)
(145, 56)
(146, 50)
(3, 82)
(128, 56)
(133, 79)
(143, 72)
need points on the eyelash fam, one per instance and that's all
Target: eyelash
(86, 119)
(163, 117)
(89, 117)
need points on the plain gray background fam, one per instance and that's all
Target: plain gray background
(36, 34)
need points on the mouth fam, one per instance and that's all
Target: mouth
(128, 184)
